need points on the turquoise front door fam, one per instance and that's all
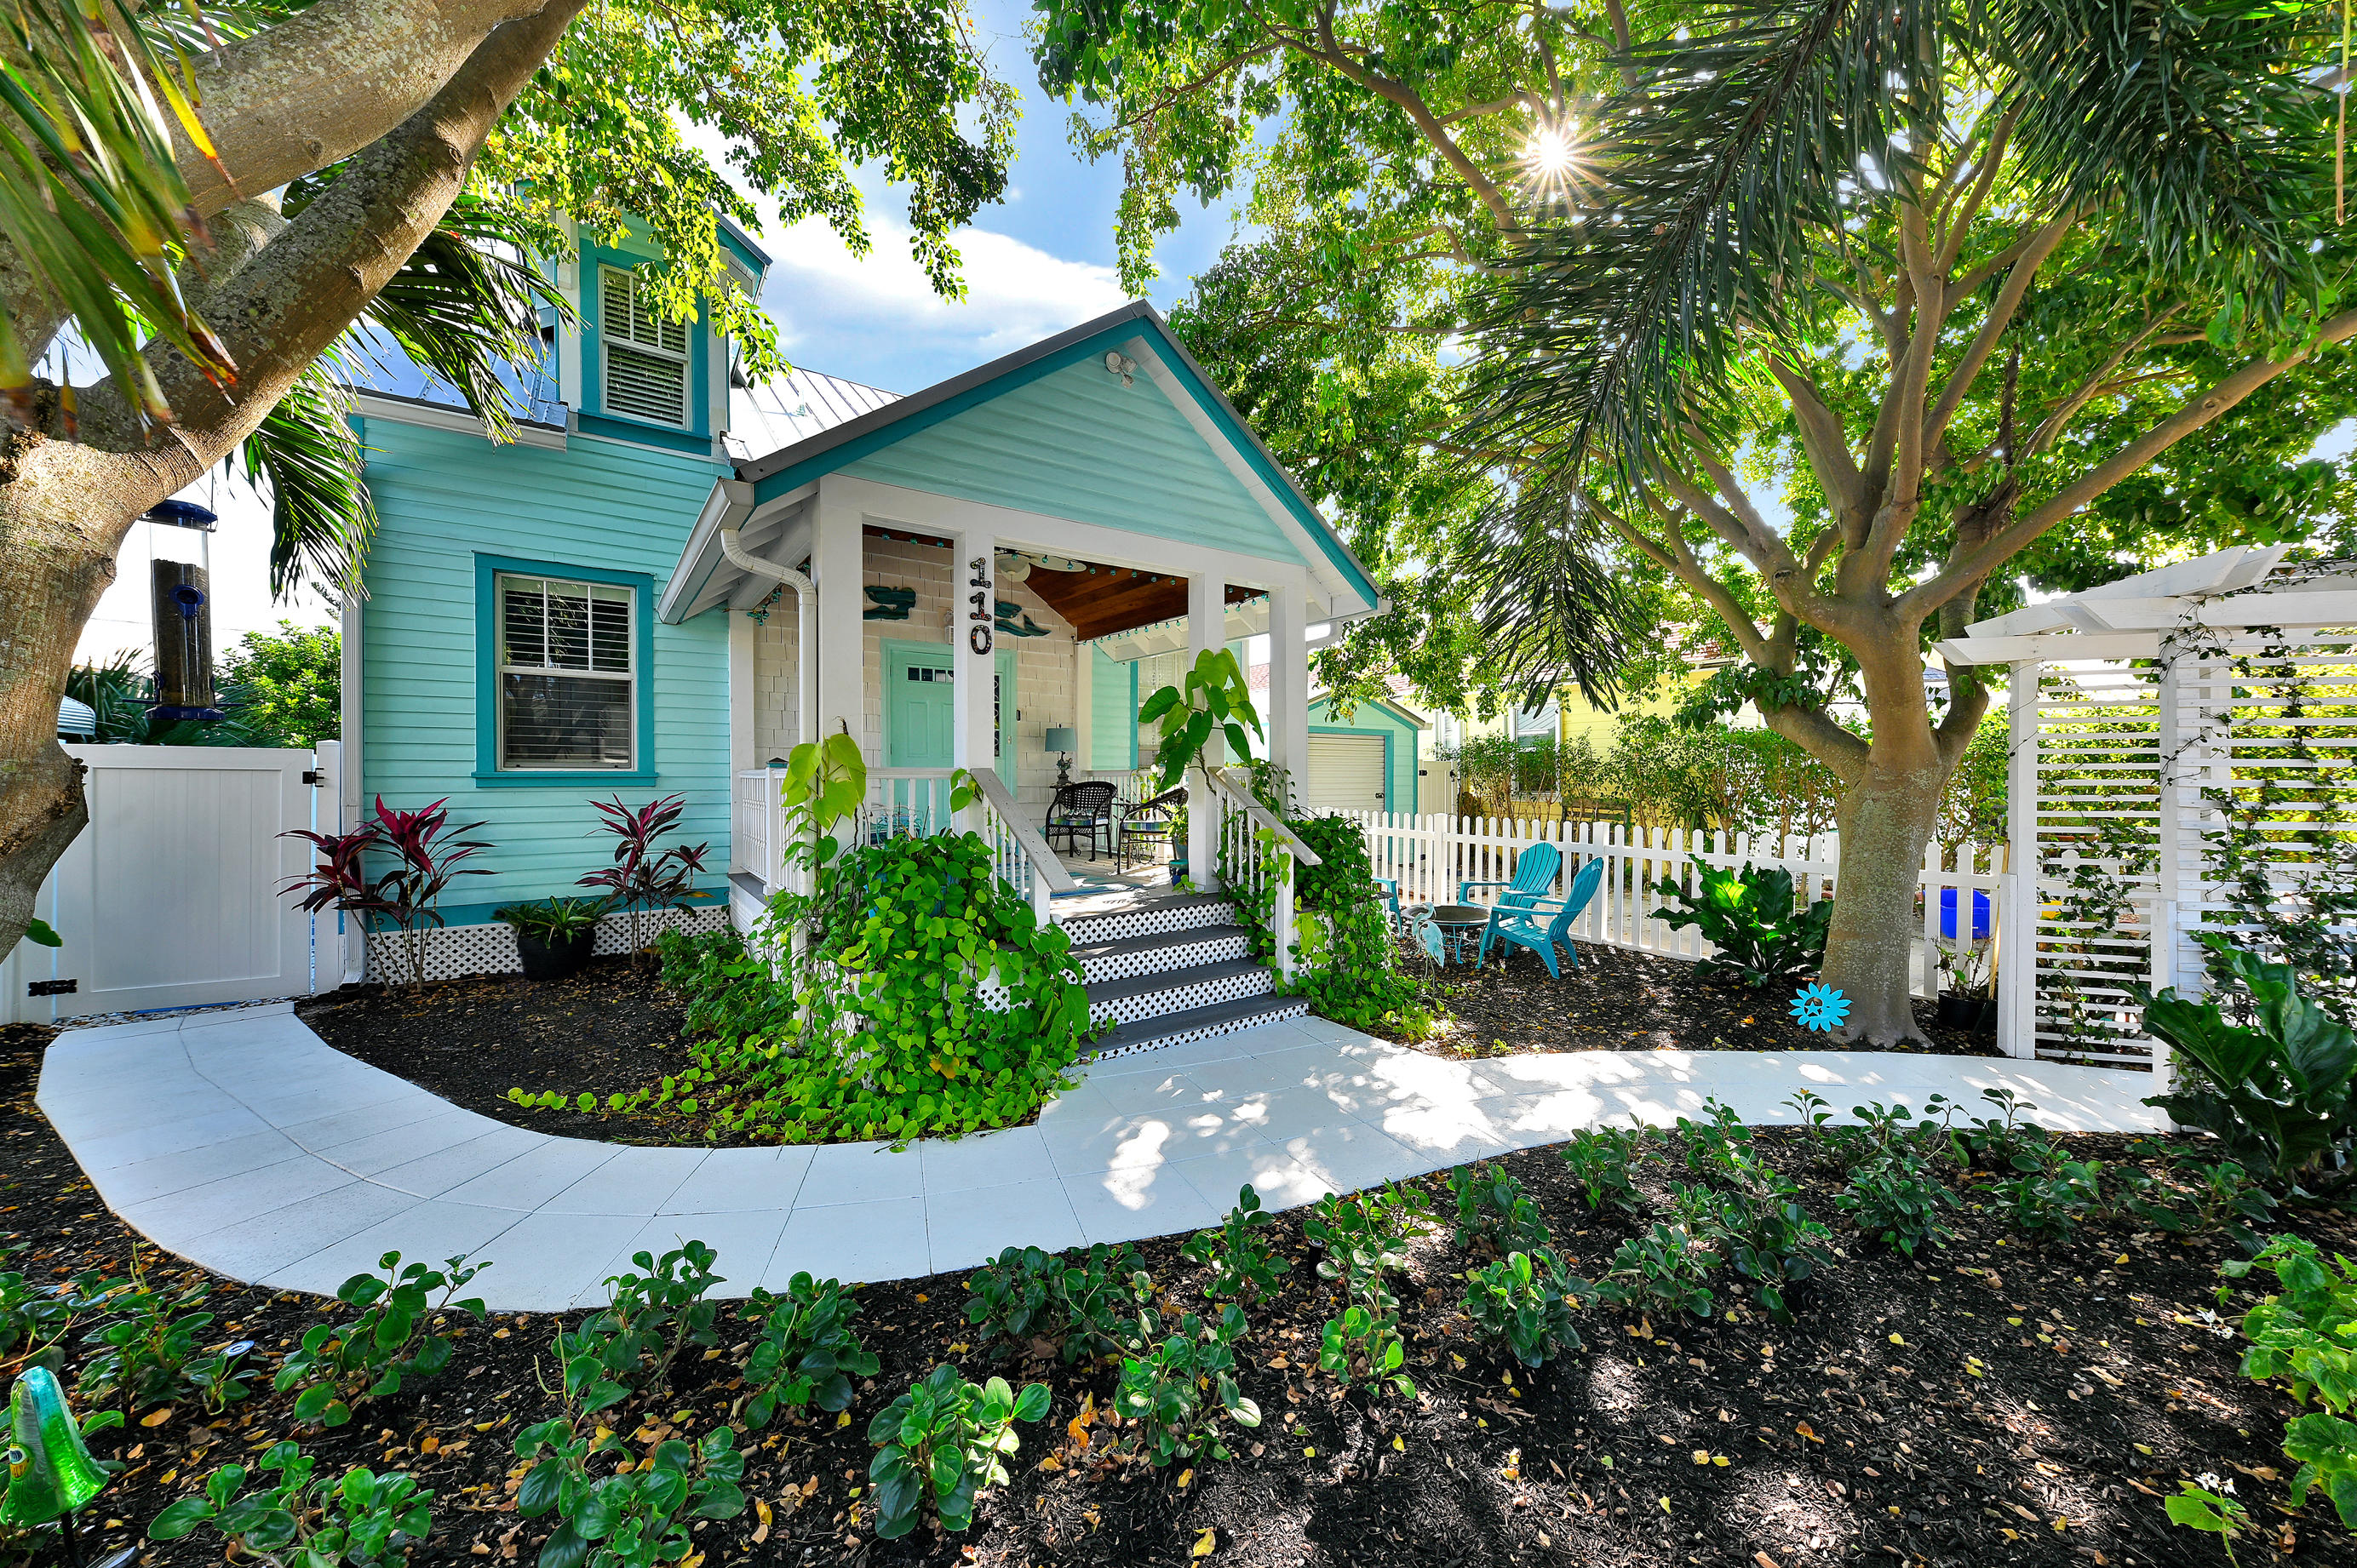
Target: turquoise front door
(918, 694)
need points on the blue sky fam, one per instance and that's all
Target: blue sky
(1041, 261)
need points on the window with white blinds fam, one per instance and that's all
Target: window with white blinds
(645, 351)
(567, 674)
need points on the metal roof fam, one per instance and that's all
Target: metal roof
(794, 407)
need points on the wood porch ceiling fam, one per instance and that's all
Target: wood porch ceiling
(1103, 600)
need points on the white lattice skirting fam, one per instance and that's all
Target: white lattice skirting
(490, 949)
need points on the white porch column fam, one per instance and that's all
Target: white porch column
(1288, 721)
(836, 690)
(1288, 686)
(1084, 661)
(1207, 625)
(973, 592)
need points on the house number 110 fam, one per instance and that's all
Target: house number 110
(977, 635)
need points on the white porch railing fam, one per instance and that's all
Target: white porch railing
(905, 803)
(1245, 856)
(1429, 856)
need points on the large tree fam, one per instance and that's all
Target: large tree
(135, 239)
(1982, 264)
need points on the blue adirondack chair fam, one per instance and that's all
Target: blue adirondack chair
(1533, 874)
(1543, 922)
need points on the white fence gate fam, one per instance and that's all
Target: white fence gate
(170, 897)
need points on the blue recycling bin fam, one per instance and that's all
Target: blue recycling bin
(1948, 915)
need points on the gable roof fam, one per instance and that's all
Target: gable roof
(1257, 479)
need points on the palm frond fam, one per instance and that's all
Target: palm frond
(467, 306)
(1554, 611)
(90, 195)
(321, 516)
(1737, 148)
(2203, 119)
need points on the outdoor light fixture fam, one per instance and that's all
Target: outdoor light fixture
(1120, 364)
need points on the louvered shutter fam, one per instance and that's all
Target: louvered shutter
(646, 354)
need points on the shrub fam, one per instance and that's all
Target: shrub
(391, 1339)
(656, 1312)
(2218, 1195)
(1895, 1202)
(34, 1323)
(146, 1341)
(1525, 1299)
(1089, 1299)
(1241, 1263)
(636, 1517)
(641, 878)
(1715, 1144)
(1494, 1215)
(1668, 1267)
(1175, 1392)
(806, 1353)
(941, 1443)
(1768, 1238)
(2280, 1094)
(365, 1519)
(1360, 1233)
(552, 920)
(2009, 1143)
(1602, 1160)
(2051, 1202)
(1752, 919)
(425, 852)
(2307, 1337)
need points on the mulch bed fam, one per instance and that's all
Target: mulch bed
(1622, 1000)
(606, 1030)
(1859, 1434)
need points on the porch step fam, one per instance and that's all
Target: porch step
(1177, 991)
(1161, 953)
(1150, 916)
(1200, 1023)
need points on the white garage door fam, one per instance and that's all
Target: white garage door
(1346, 774)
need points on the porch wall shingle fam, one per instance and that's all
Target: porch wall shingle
(1043, 665)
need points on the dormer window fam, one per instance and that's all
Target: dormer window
(645, 363)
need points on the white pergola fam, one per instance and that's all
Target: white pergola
(2140, 712)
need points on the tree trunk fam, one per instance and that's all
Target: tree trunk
(1885, 821)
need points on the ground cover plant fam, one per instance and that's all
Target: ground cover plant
(1901, 1384)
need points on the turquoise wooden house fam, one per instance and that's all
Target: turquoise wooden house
(671, 578)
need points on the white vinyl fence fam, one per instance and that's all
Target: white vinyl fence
(1432, 857)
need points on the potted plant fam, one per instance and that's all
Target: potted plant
(554, 937)
(1964, 969)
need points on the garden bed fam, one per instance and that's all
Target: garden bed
(606, 1029)
(1622, 1000)
(1995, 1402)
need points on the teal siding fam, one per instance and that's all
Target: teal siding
(444, 498)
(1075, 443)
(1402, 788)
(1113, 712)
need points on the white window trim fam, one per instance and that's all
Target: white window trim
(627, 281)
(501, 669)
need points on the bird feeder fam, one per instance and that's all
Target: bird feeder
(181, 599)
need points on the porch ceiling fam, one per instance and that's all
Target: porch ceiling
(1100, 600)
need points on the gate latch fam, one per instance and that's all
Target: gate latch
(313, 776)
(50, 987)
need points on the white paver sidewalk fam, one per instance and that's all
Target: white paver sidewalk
(242, 1141)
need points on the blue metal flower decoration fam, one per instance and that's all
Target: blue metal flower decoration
(1820, 1006)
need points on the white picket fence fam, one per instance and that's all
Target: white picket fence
(1432, 857)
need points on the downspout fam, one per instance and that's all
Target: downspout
(733, 551)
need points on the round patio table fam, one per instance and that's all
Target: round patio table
(1460, 929)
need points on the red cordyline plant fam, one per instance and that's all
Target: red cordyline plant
(641, 879)
(425, 853)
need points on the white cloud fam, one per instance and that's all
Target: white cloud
(1016, 293)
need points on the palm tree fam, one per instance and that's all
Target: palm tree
(1967, 266)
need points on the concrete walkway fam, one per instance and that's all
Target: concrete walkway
(243, 1143)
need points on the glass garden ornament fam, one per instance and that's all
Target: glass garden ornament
(51, 1472)
(1820, 1006)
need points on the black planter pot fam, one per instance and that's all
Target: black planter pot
(1985, 1024)
(554, 961)
(1960, 1012)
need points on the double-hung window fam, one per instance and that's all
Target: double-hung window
(645, 366)
(568, 674)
